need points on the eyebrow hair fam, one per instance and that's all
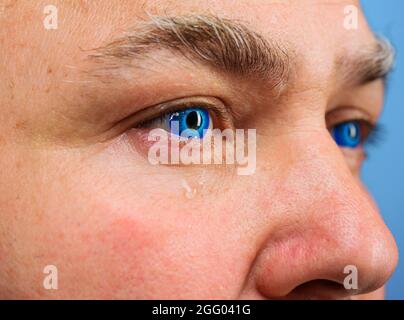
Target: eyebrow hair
(223, 44)
(372, 63)
(229, 46)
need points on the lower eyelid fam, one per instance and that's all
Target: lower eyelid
(354, 157)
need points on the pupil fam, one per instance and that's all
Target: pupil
(193, 120)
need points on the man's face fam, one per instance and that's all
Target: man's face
(77, 190)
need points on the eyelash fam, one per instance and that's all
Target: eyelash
(376, 134)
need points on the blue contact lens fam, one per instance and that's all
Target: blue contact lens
(190, 122)
(347, 134)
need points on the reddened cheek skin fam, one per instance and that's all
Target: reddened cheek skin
(123, 251)
(125, 235)
(127, 244)
(134, 254)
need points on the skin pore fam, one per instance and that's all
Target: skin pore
(77, 191)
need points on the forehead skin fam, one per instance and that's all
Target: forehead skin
(85, 210)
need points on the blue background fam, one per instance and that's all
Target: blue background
(383, 172)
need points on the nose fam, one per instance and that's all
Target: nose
(326, 238)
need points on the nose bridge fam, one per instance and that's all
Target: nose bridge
(317, 175)
(330, 223)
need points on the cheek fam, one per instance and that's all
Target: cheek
(128, 237)
(115, 235)
(133, 254)
(127, 251)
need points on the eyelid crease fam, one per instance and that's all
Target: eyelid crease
(347, 113)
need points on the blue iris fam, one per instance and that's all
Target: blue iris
(347, 134)
(190, 122)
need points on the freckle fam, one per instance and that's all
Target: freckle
(20, 125)
(49, 70)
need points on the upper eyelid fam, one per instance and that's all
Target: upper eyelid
(363, 120)
(347, 113)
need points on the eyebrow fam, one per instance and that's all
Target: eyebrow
(226, 45)
(374, 62)
(229, 46)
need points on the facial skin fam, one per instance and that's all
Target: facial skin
(76, 194)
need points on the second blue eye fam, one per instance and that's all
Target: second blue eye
(191, 122)
(347, 134)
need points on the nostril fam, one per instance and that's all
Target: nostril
(320, 289)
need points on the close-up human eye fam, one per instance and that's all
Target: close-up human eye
(355, 133)
(191, 122)
(190, 117)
